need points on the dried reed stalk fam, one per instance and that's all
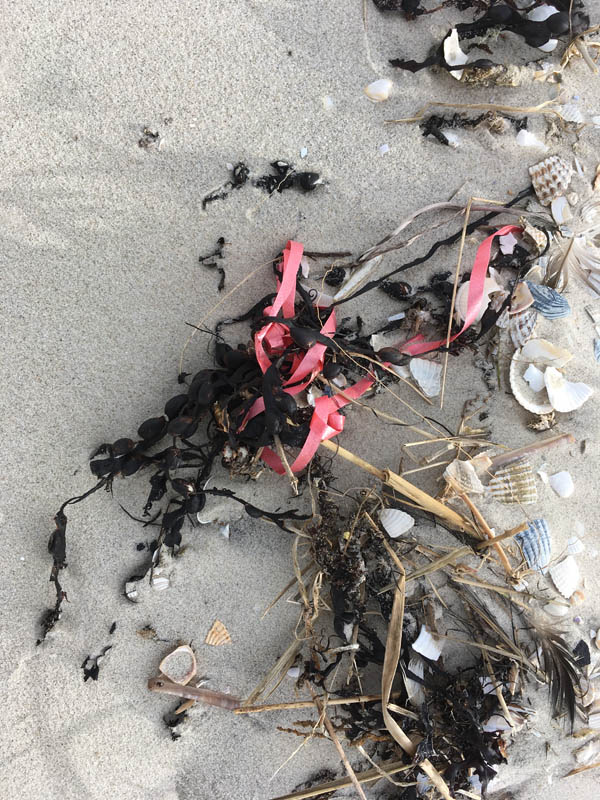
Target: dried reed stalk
(390, 767)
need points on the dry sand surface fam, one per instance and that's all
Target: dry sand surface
(100, 246)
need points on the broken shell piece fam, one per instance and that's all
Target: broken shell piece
(535, 544)
(395, 522)
(543, 353)
(521, 298)
(550, 178)
(535, 378)
(379, 90)
(575, 546)
(427, 374)
(217, 635)
(521, 326)
(557, 609)
(462, 477)
(535, 238)
(560, 210)
(461, 304)
(577, 598)
(563, 394)
(507, 243)
(562, 483)
(453, 55)
(514, 484)
(525, 388)
(159, 582)
(565, 576)
(588, 753)
(527, 139)
(594, 716)
(597, 351)
(414, 689)
(550, 303)
(179, 666)
(427, 645)
(572, 113)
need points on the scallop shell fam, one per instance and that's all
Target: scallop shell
(426, 645)
(562, 483)
(379, 90)
(521, 326)
(545, 354)
(550, 178)
(179, 665)
(453, 55)
(514, 484)
(526, 395)
(218, 635)
(565, 576)
(521, 298)
(395, 522)
(563, 394)
(572, 113)
(462, 477)
(535, 544)
(550, 303)
(427, 374)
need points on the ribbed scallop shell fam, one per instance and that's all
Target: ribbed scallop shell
(536, 402)
(551, 178)
(565, 576)
(395, 522)
(428, 374)
(514, 484)
(218, 634)
(535, 544)
(462, 477)
(426, 645)
(564, 395)
(543, 353)
(521, 326)
(550, 303)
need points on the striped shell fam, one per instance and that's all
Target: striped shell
(550, 303)
(551, 178)
(514, 484)
(565, 576)
(521, 326)
(535, 544)
(565, 395)
(533, 236)
(396, 522)
(218, 635)
(462, 477)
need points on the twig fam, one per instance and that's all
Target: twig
(488, 532)
(390, 767)
(281, 453)
(338, 701)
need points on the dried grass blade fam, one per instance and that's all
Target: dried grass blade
(277, 671)
(390, 767)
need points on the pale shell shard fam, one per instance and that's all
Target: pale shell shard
(597, 351)
(572, 113)
(564, 395)
(557, 609)
(521, 326)
(217, 635)
(550, 303)
(560, 210)
(535, 378)
(527, 139)
(526, 395)
(462, 477)
(565, 576)
(521, 298)
(461, 303)
(514, 484)
(550, 178)
(395, 522)
(575, 546)
(453, 55)
(562, 483)
(535, 237)
(179, 665)
(414, 689)
(588, 752)
(541, 13)
(428, 375)
(379, 90)
(507, 243)
(535, 544)
(543, 353)
(426, 645)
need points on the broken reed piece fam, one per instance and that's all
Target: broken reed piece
(404, 487)
(206, 696)
(337, 701)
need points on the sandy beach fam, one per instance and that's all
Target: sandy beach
(100, 245)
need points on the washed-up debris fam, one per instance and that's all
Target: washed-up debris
(148, 138)
(91, 664)
(209, 261)
(240, 175)
(287, 177)
(440, 126)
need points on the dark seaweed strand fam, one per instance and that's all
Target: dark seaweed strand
(435, 247)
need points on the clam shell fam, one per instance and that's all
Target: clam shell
(557, 609)
(563, 394)
(550, 303)
(217, 635)
(521, 326)
(562, 483)
(427, 374)
(521, 298)
(462, 477)
(535, 544)
(395, 522)
(565, 576)
(575, 546)
(179, 665)
(379, 90)
(525, 394)
(545, 354)
(550, 178)
(514, 484)
(453, 55)
(426, 645)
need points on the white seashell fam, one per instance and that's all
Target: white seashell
(545, 354)
(487, 685)
(535, 238)
(328, 103)
(303, 152)
(461, 302)
(521, 298)
(395, 522)
(428, 375)
(525, 394)
(293, 673)
(535, 378)
(557, 609)
(541, 13)
(496, 723)
(451, 137)
(521, 326)
(414, 689)
(565, 576)
(131, 591)
(383, 149)
(572, 113)
(597, 351)
(462, 477)
(550, 178)
(507, 243)
(562, 483)
(453, 55)
(535, 544)
(564, 395)
(575, 546)
(527, 139)
(159, 582)
(427, 645)
(179, 665)
(549, 46)
(560, 210)
(379, 90)
(514, 484)
(588, 752)
(358, 277)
